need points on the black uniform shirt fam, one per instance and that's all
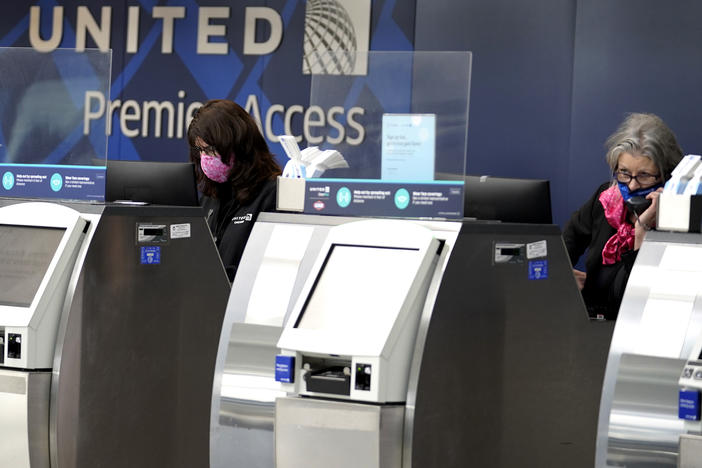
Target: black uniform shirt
(231, 223)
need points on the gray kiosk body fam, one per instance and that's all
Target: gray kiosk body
(131, 376)
(506, 369)
(657, 337)
(512, 365)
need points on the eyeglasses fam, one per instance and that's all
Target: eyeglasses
(211, 150)
(643, 178)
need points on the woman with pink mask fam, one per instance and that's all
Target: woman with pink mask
(236, 174)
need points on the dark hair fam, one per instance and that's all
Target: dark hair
(645, 135)
(227, 127)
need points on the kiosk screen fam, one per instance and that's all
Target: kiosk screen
(360, 289)
(25, 255)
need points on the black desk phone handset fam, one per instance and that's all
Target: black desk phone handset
(638, 204)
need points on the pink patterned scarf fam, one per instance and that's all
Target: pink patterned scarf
(615, 212)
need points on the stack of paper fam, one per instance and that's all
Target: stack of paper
(686, 177)
(310, 162)
(317, 161)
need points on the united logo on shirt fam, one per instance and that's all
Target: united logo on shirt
(242, 219)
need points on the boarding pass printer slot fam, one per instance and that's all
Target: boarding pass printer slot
(327, 375)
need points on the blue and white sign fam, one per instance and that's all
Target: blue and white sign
(689, 405)
(47, 149)
(284, 368)
(372, 197)
(538, 269)
(150, 255)
(53, 181)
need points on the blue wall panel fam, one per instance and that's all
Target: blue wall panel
(632, 56)
(519, 121)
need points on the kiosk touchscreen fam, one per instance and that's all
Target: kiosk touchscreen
(352, 331)
(38, 246)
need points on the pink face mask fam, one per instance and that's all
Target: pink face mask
(214, 168)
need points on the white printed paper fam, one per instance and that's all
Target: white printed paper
(536, 249)
(180, 231)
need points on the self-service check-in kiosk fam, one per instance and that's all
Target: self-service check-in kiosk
(430, 344)
(649, 413)
(351, 333)
(39, 243)
(351, 337)
(109, 317)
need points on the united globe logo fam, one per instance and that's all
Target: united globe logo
(330, 39)
(336, 37)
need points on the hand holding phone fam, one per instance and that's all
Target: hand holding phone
(638, 204)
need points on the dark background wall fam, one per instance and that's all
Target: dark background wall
(551, 78)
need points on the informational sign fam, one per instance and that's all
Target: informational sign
(53, 181)
(354, 197)
(408, 147)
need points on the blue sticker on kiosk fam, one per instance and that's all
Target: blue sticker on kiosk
(538, 269)
(689, 405)
(284, 368)
(151, 255)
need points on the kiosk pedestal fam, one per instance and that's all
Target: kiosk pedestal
(24, 405)
(311, 432)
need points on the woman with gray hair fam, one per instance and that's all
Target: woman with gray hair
(642, 154)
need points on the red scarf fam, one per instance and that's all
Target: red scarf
(616, 214)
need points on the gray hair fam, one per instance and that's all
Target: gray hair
(645, 135)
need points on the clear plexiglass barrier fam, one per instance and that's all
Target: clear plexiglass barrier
(399, 120)
(51, 144)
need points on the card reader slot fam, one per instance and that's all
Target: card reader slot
(331, 376)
